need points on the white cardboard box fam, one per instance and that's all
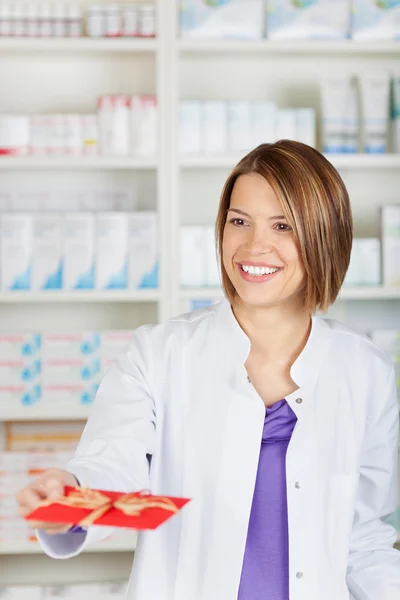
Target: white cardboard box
(215, 114)
(16, 251)
(143, 250)
(47, 255)
(192, 256)
(79, 239)
(239, 125)
(391, 245)
(190, 127)
(112, 251)
(213, 278)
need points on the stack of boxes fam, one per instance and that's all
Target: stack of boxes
(78, 251)
(198, 264)
(123, 126)
(290, 19)
(220, 127)
(56, 369)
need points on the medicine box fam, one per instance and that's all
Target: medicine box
(143, 250)
(47, 252)
(79, 240)
(307, 19)
(16, 252)
(112, 251)
(238, 19)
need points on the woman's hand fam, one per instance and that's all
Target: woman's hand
(48, 486)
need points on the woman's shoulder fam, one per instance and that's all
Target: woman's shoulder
(358, 345)
(182, 327)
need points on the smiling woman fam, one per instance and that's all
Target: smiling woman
(285, 221)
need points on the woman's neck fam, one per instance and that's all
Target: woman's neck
(279, 332)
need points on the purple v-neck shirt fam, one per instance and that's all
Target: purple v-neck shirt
(265, 572)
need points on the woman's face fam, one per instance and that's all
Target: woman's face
(260, 253)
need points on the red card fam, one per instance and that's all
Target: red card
(135, 510)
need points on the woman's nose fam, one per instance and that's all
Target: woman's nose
(258, 242)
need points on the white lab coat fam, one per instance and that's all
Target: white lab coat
(181, 395)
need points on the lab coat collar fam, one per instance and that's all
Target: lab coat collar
(304, 370)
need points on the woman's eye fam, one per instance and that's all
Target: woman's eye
(283, 227)
(238, 222)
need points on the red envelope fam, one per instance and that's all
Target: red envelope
(85, 507)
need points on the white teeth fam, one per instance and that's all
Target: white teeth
(257, 271)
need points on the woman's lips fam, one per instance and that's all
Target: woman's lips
(257, 278)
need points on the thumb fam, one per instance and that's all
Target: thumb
(54, 488)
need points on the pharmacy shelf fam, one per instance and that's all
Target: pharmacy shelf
(340, 161)
(348, 293)
(44, 412)
(76, 162)
(81, 296)
(317, 47)
(112, 545)
(54, 45)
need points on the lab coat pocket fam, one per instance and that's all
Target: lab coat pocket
(340, 517)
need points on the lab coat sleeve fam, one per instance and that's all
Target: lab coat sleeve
(373, 571)
(119, 437)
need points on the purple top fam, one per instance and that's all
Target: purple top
(265, 572)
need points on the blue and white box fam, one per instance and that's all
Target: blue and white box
(286, 124)
(70, 394)
(47, 256)
(190, 127)
(306, 126)
(20, 371)
(79, 248)
(215, 125)
(112, 251)
(308, 19)
(376, 20)
(59, 371)
(19, 345)
(25, 394)
(16, 252)
(143, 250)
(237, 19)
(67, 345)
(263, 118)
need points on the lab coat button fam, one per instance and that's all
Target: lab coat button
(297, 485)
(248, 379)
(299, 400)
(299, 575)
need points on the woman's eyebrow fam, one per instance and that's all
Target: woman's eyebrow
(241, 212)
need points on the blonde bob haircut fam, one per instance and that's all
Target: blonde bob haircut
(316, 205)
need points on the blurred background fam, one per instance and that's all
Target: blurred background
(119, 124)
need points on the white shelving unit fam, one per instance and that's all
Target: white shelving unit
(347, 293)
(351, 161)
(51, 45)
(68, 75)
(347, 47)
(79, 297)
(98, 163)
